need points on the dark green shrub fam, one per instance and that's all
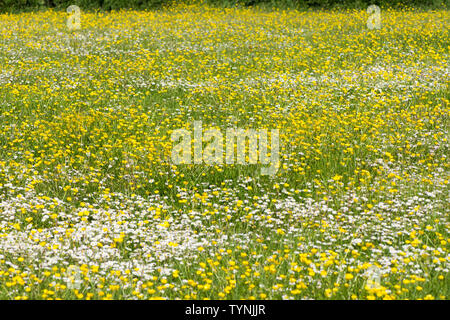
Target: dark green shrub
(27, 5)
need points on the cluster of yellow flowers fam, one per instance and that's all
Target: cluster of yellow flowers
(91, 206)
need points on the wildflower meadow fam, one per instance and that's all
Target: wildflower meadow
(337, 189)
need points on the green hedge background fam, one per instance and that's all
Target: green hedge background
(31, 5)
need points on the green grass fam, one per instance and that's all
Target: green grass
(87, 180)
